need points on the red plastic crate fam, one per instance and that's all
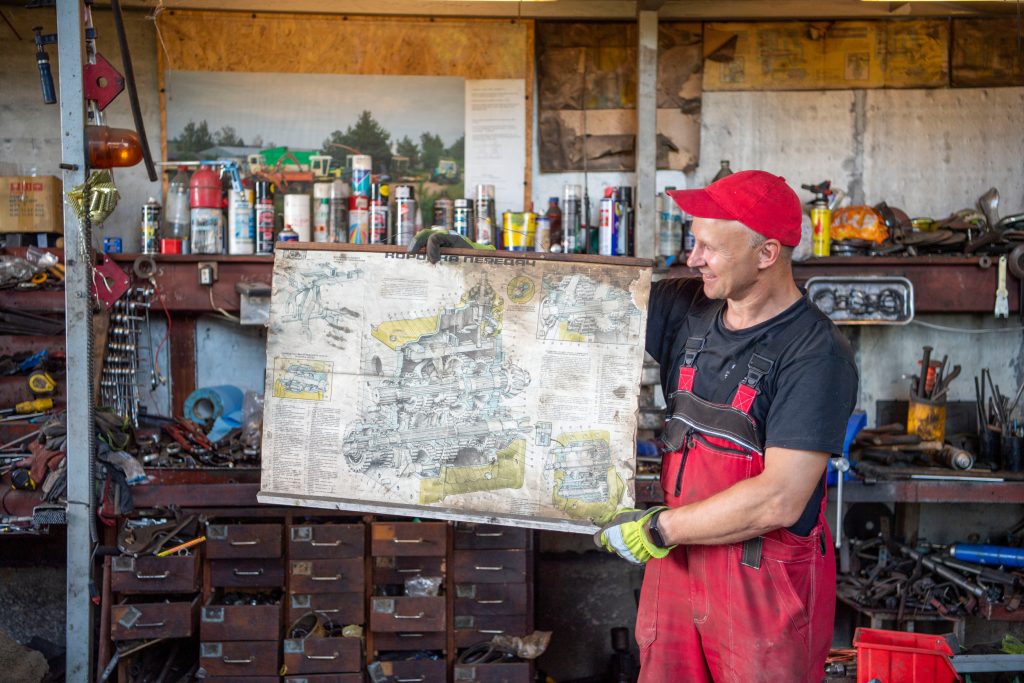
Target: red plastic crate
(898, 657)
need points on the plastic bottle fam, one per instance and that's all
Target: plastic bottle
(207, 217)
(723, 171)
(176, 209)
(554, 215)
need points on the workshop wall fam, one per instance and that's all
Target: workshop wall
(30, 130)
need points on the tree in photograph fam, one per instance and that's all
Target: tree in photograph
(410, 150)
(458, 150)
(365, 137)
(433, 149)
(194, 138)
(227, 137)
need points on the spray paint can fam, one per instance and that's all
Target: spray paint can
(322, 210)
(362, 168)
(543, 240)
(462, 219)
(484, 215)
(821, 220)
(263, 209)
(444, 213)
(288, 235)
(572, 206)
(149, 232)
(207, 220)
(379, 214)
(405, 214)
(296, 215)
(241, 226)
(337, 224)
(608, 227)
(358, 219)
(624, 202)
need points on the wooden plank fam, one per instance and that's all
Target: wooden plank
(183, 362)
(985, 53)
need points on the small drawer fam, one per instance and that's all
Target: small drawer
(511, 672)
(341, 608)
(240, 622)
(326, 678)
(490, 566)
(326, 541)
(470, 535)
(138, 621)
(243, 540)
(409, 539)
(241, 679)
(247, 573)
(390, 569)
(323, 655)
(490, 598)
(239, 658)
(410, 640)
(407, 614)
(326, 576)
(416, 671)
(150, 574)
(471, 629)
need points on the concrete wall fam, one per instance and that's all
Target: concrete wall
(30, 130)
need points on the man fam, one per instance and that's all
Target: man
(740, 582)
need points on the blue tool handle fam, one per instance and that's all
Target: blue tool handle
(989, 554)
(46, 78)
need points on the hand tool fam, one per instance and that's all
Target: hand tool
(1016, 266)
(183, 546)
(926, 359)
(1002, 309)
(41, 382)
(43, 62)
(35, 406)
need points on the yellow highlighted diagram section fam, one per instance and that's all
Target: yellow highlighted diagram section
(397, 333)
(507, 472)
(586, 484)
(299, 378)
(565, 334)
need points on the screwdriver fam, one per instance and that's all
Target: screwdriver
(35, 406)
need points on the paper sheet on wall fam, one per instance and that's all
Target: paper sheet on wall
(496, 140)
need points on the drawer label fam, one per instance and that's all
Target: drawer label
(130, 617)
(123, 563)
(384, 561)
(302, 534)
(384, 605)
(302, 600)
(293, 646)
(465, 621)
(465, 590)
(302, 568)
(213, 615)
(465, 673)
(211, 649)
(216, 532)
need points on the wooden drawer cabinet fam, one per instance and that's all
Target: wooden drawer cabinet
(322, 655)
(516, 672)
(240, 622)
(490, 598)
(326, 576)
(326, 678)
(410, 640)
(407, 614)
(241, 679)
(409, 539)
(243, 540)
(244, 573)
(470, 630)
(466, 535)
(151, 574)
(140, 621)
(489, 566)
(239, 658)
(418, 671)
(390, 569)
(327, 541)
(341, 608)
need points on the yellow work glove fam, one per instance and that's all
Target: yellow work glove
(435, 240)
(624, 535)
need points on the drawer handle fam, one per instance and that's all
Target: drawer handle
(324, 657)
(410, 635)
(239, 572)
(327, 611)
(152, 577)
(238, 661)
(245, 542)
(409, 616)
(490, 602)
(488, 569)
(494, 534)
(320, 544)
(155, 624)
(490, 632)
(411, 680)
(336, 577)
(407, 540)
(417, 570)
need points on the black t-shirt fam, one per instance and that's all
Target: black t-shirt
(805, 401)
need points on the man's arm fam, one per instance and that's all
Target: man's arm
(772, 500)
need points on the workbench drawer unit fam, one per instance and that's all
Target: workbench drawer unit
(241, 679)
(490, 566)
(326, 541)
(469, 535)
(410, 640)
(250, 541)
(491, 598)
(513, 672)
(326, 678)
(398, 614)
(341, 608)
(151, 574)
(416, 671)
(246, 573)
(141, 621)
(391, 569)
(409, 539)
(326, 576)
(240, 622)
(314, 655)
(473, 629)
(239, 658)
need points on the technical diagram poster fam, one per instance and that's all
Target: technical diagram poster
(490, 387)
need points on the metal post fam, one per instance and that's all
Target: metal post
(646, 133)
(78, 317)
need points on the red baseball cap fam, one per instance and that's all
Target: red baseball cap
(761, 201)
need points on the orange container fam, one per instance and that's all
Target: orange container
(903, 657)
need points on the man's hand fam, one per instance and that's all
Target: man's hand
(625, 535)
(435, 240)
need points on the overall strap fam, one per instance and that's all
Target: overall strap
(698, 327)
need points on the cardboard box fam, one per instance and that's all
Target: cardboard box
(31, 204)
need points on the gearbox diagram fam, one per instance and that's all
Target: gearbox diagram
(305, 302)
(441, 406)
(580, 308)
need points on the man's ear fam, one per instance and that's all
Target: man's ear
(768, 254)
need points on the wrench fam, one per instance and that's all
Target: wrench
(1002, 298)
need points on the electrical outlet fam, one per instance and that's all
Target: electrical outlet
(207, 273)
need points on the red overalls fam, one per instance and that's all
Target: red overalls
(760, 610)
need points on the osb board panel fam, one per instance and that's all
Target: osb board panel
(587, 84)
(230, 41)
(826, 55)
(985, 53)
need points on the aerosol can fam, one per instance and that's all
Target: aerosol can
(821, 217)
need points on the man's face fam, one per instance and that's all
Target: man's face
(725, 257)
